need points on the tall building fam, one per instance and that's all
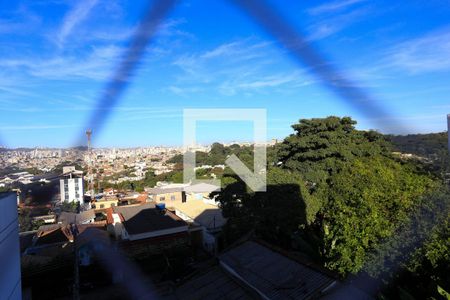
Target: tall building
(10, 283)
(71, 185)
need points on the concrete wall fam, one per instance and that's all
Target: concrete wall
(196, 196)
(167, 197)
(10, 284)
(106, 204)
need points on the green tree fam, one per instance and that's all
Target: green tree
(320, 148)
(70, 206)
(368, 200)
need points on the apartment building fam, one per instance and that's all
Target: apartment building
(10, 277)
(71, 185)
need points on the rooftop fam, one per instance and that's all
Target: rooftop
(74, 218)
(194, 188)
(207, 215)
(147, 218)
(202, 188)
(211, 284)
(254, 270)
(158, 191)
(273, 274)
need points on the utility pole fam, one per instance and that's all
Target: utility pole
(91, 175)
(76, 280)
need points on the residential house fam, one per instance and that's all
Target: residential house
(51, 241)
(200, 191)
(84, 217)
(144, 230)
(137, 222)
(209, 217)
(109, 192)
(104, 203)
(166, 194)
(193, 204)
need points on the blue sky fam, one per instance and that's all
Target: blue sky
(56, 57)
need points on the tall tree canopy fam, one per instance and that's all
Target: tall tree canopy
(338, 191)
(320, 148)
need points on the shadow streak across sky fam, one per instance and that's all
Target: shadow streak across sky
(131, 59)
(303, 52)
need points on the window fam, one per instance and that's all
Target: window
(102, 205)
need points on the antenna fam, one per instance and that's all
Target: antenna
(90, 176)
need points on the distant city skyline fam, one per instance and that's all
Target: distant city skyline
(57, 56)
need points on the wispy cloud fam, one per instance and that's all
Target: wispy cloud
(34, 127)
(75, 16)
(240, 50)
(204, 66)
(95, 64)
(325, 27)
(19, 21)
(113, 33)
(294, 79)
(245, 65)
(332, 7)
(424, 54)
(183, 91)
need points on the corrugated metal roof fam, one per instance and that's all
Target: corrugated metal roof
(72, 218)
(211, 284)
(274, 275)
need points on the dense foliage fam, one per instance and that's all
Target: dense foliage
(367, 202)
(338, 195)
(426, 145)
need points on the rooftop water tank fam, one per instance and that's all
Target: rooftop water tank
(160, 206)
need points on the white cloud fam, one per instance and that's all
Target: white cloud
(332, 7)
(94, 65)
(294, 79)
(429, 53)
(224, 59)
(183, 91)
(246, 65)
(34, 127)
(75, 16)
(326, 27)
(20, 21)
